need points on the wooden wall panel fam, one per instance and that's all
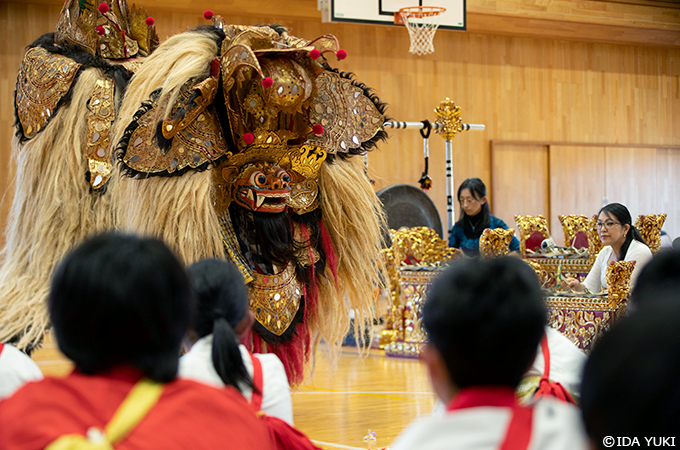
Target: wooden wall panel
(577, 183)
(631, 178)
(668, 188)
(520, 181)
(521, 88)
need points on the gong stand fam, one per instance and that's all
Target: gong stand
(447, 125)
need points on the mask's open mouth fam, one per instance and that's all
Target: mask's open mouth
(263, 201)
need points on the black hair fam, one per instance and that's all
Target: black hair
(121, 300)
(486, 319)
(483, 219)
(659, 279)
(630, 381)
(622, 214)
(222, 302)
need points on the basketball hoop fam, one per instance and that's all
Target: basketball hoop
(422, 23)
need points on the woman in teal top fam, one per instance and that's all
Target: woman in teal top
(475, 217)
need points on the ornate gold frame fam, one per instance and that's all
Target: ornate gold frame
(527, 225)
(419, 244)
(495, 242)
(649, 227)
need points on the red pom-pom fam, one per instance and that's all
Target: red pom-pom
(103, 8)
(267, 82)
(314, 54)
(149, 21)
(100, 30)
(341, 54)
(208, 14)
(317, 129)
(248, 138)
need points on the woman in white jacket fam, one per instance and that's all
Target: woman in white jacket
(216, 358)
(622, 241)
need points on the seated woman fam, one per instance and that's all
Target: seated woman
(475, 217)
(216, 358)
(119, 306)
(622, 241)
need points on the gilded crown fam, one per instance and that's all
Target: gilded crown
(280, 85)
(110, 30)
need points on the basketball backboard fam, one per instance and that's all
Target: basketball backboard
(382, 11)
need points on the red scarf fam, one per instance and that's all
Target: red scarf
(518, 435)
(548, 388)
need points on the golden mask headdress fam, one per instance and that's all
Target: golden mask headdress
(110, 30)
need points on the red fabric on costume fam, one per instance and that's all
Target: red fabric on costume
(258, 383)
(548, 388)
(519, 430)
(285, 436)
(187, 415)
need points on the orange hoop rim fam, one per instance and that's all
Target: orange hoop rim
(417, 12)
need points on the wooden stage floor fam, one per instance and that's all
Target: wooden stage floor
(337, 406)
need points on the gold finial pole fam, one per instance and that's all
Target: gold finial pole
(448, 119)
(448, 124)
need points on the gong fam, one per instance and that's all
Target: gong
(408, 206)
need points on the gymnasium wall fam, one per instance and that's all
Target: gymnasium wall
(597, 117)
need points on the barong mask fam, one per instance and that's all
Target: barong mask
(265, 118)
(262, 187)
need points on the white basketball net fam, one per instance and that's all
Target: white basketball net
(421, 28)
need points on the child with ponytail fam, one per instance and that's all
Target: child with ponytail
(216, 358)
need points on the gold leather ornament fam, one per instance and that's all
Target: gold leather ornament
(275, 299)
(99, 121)
(348, 117)
(44, 78)
(198, 142)
(208, 89)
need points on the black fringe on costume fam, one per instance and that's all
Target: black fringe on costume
(118, 73)
(217, 34)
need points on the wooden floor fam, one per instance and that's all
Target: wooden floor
(338, 406)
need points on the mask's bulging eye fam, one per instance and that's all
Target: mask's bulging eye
(283, 175)
(258, 178)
